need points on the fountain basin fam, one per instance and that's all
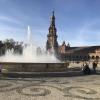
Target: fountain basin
(32, 67)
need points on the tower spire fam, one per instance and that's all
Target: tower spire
(53, 13)
(52, 28)
(52, 19)
(52, 36)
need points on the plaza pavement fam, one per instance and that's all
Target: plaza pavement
(85, 87)
(74, 86)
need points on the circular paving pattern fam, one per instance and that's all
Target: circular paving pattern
(85, 80)
(96, 83)
(56, 81)
(35, 82)
(66, 88)
(81, 93)
(6, 86)
(34, 91)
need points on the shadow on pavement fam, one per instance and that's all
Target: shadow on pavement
(72, 72)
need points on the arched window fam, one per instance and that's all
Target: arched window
(88, 57)
(93, 57)
(97, 57)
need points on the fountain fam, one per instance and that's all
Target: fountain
(30, 61)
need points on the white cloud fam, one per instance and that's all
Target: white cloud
(11, 32)
(8, 19)
(87, 36)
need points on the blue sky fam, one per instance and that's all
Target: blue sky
(77, 21)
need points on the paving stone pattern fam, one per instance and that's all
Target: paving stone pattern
(52, 88)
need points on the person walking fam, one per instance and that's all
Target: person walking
(94, 64)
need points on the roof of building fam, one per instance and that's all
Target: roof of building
(85, 49)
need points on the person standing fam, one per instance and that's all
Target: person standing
(0, 68)
(86, 69)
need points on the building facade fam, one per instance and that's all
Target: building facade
(66, 52)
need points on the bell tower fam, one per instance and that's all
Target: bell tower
(52, 36)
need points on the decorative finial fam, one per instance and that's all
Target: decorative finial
(52, 18)
(68, 44)
(53, 12)
(63, 43)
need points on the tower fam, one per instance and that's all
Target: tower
(52, 36)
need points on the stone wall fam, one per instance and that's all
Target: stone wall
(33, 67)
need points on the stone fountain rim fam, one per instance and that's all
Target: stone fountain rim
(32, 62)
